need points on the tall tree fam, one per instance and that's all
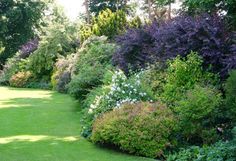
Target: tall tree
(227, 8)
(95, 6)
(18, 21)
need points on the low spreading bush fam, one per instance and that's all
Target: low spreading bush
(39, 84)
(20, 79)
(196, 116)
(121, 90)
(94, 59)
(220, 151)
(141, 128)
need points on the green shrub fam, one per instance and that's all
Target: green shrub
(120, 90)
(196, 114)
(107, 23)
(141, 128)
(12, 66)
(20, 79)
(63, 68)
(88, 78)
(155, 78)
(39, 84)
(94, 59)
(220, 151)
(58, 40)
(136, 22)
(183, 74)
(230, 89)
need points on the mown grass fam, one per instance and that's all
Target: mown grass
(38, 125)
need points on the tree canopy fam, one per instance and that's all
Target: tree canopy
(18, 21)
(95, 6)
(227, 8)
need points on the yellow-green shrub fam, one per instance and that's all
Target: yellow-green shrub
(107, 23)
(143, 128)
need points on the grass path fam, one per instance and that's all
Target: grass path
(37, 125)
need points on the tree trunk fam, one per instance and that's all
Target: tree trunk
(169, 11)
(87, 12)
(150, 9)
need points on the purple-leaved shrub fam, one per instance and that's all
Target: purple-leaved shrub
(158, 42)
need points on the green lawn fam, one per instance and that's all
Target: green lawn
(37, 125)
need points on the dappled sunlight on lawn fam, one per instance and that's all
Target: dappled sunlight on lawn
(44, 125)
(35, 138)
(7, 104)
(10, 98)
(7, 93)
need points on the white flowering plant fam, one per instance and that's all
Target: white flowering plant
(120, 90)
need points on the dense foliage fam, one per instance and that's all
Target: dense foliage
(11, 67)
(226, 8)
(222, 151)
(20, 79)
(28, 48)
(140, 128)
(94, 59)
(183, 74)
(117, 91)
(230, 88)
(148, 89)
(59, 40)
(63, 72)
(134, 51)
(96, 6)
(203, 34)
(107, 23)
(18, 19)
(195, 113)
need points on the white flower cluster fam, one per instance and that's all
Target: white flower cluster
(122, 90)
(95, 104)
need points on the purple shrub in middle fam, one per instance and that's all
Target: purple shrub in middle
(159, 42)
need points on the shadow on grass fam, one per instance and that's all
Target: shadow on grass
(49, 101)
(38, 125)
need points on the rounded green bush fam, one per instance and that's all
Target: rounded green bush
(141, 128)
(196, 114)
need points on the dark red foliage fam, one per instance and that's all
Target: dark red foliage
(204, 34)
(135, 49)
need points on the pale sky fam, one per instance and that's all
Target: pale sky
(72, 8)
